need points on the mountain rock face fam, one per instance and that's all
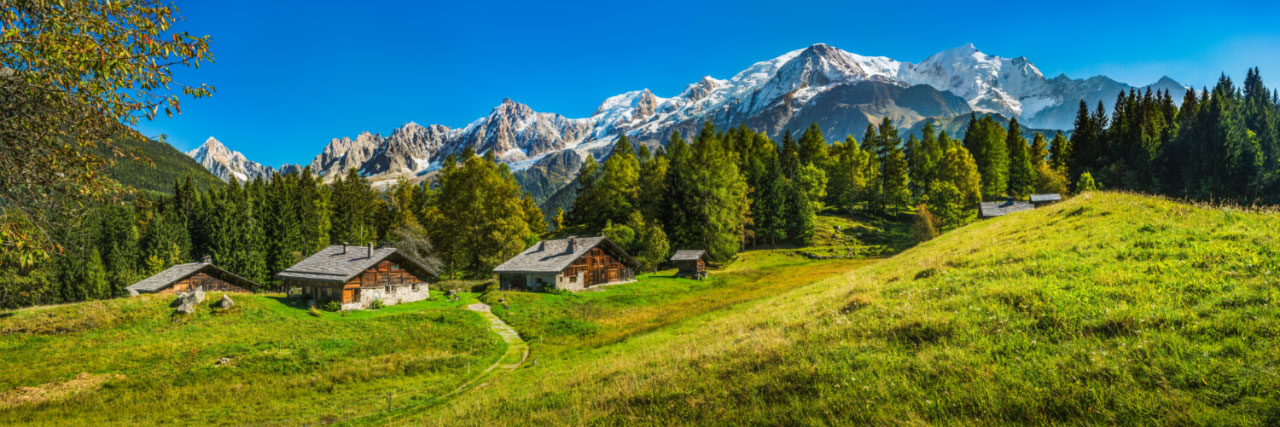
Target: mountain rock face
(839, 90)
(226, 164)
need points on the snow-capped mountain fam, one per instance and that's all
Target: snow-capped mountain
(839, 90)
(227, 164)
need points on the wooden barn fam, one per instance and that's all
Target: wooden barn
(574, 264)
(356, 276)
(201, 275)
(1045, 199)
(995, 209)
(690, 263)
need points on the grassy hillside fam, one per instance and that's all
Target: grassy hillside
(1105, 309)
(169, 165)
(127, 361)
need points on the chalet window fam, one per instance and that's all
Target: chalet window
(414, 287)
(395, 267)
(388, 289)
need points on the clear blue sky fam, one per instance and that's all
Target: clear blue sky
(292, 75)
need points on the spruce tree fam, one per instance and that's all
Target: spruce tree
(813, 147)
(1022, 175)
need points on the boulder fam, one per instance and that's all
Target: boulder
(225, 302)
(197, 296)
(185, 309)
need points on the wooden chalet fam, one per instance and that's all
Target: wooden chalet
(356, 276)
(574, 264)
(690, 263)
(201, 275)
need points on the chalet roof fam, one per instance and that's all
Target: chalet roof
(178, 272)
(338, 264)
(688, 255)
(552, 256)
(993, 209)
(1048, 197)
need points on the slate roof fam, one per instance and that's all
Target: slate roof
(552, 256)
(1049, 197)
(178, 272)
(688, 255)
(993, 209)
(336, 265)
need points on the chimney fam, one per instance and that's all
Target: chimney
(571, 242)
(344, 248)
(207, 259)
(541, 246)
(370, 255)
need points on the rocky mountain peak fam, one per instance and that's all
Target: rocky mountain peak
(227, 164)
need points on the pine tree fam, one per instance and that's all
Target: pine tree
(96, 285)
(1059, 151)
(896, 192)
(789, 156)
(813, 147)
(985, 139)
(1022, 174)
(848, 174)
(799, 215)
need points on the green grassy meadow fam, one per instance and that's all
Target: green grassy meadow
(128, 361)
(1105, 309)
(1108, 308)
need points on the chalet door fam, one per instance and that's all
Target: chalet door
(348, 296)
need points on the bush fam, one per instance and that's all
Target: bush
(312, 311)
(924, 226)
(332, 306)
(1086, 183)
(376, 304)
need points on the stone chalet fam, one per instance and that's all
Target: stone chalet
(574, 264)
(191, 276)
(356, 276)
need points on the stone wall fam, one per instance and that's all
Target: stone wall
(391, 294)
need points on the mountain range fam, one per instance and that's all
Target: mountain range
(839, 90)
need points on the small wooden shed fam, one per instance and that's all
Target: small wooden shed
(1045, 199)
(690, 263)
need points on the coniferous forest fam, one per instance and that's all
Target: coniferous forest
(723, 191)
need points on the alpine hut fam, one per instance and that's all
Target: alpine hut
(1001, 208)
(356, 276)
(574, 264)
(1045, 199)
(201, 275)
(690, 263)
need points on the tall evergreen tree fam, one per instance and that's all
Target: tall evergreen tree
(1022, 175)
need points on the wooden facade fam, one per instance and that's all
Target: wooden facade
(386, 279)
(597, 267)
(201, 281)
(696, 268)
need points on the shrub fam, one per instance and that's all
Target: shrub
(332, 306)
(1085, 183)
(312, 311)
(924, 226)
(376, 304)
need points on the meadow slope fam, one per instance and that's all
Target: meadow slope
(1105, 309)
(130, 361)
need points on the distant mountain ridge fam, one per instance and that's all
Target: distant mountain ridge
(839, 90)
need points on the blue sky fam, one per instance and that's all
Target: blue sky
(290, 76)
